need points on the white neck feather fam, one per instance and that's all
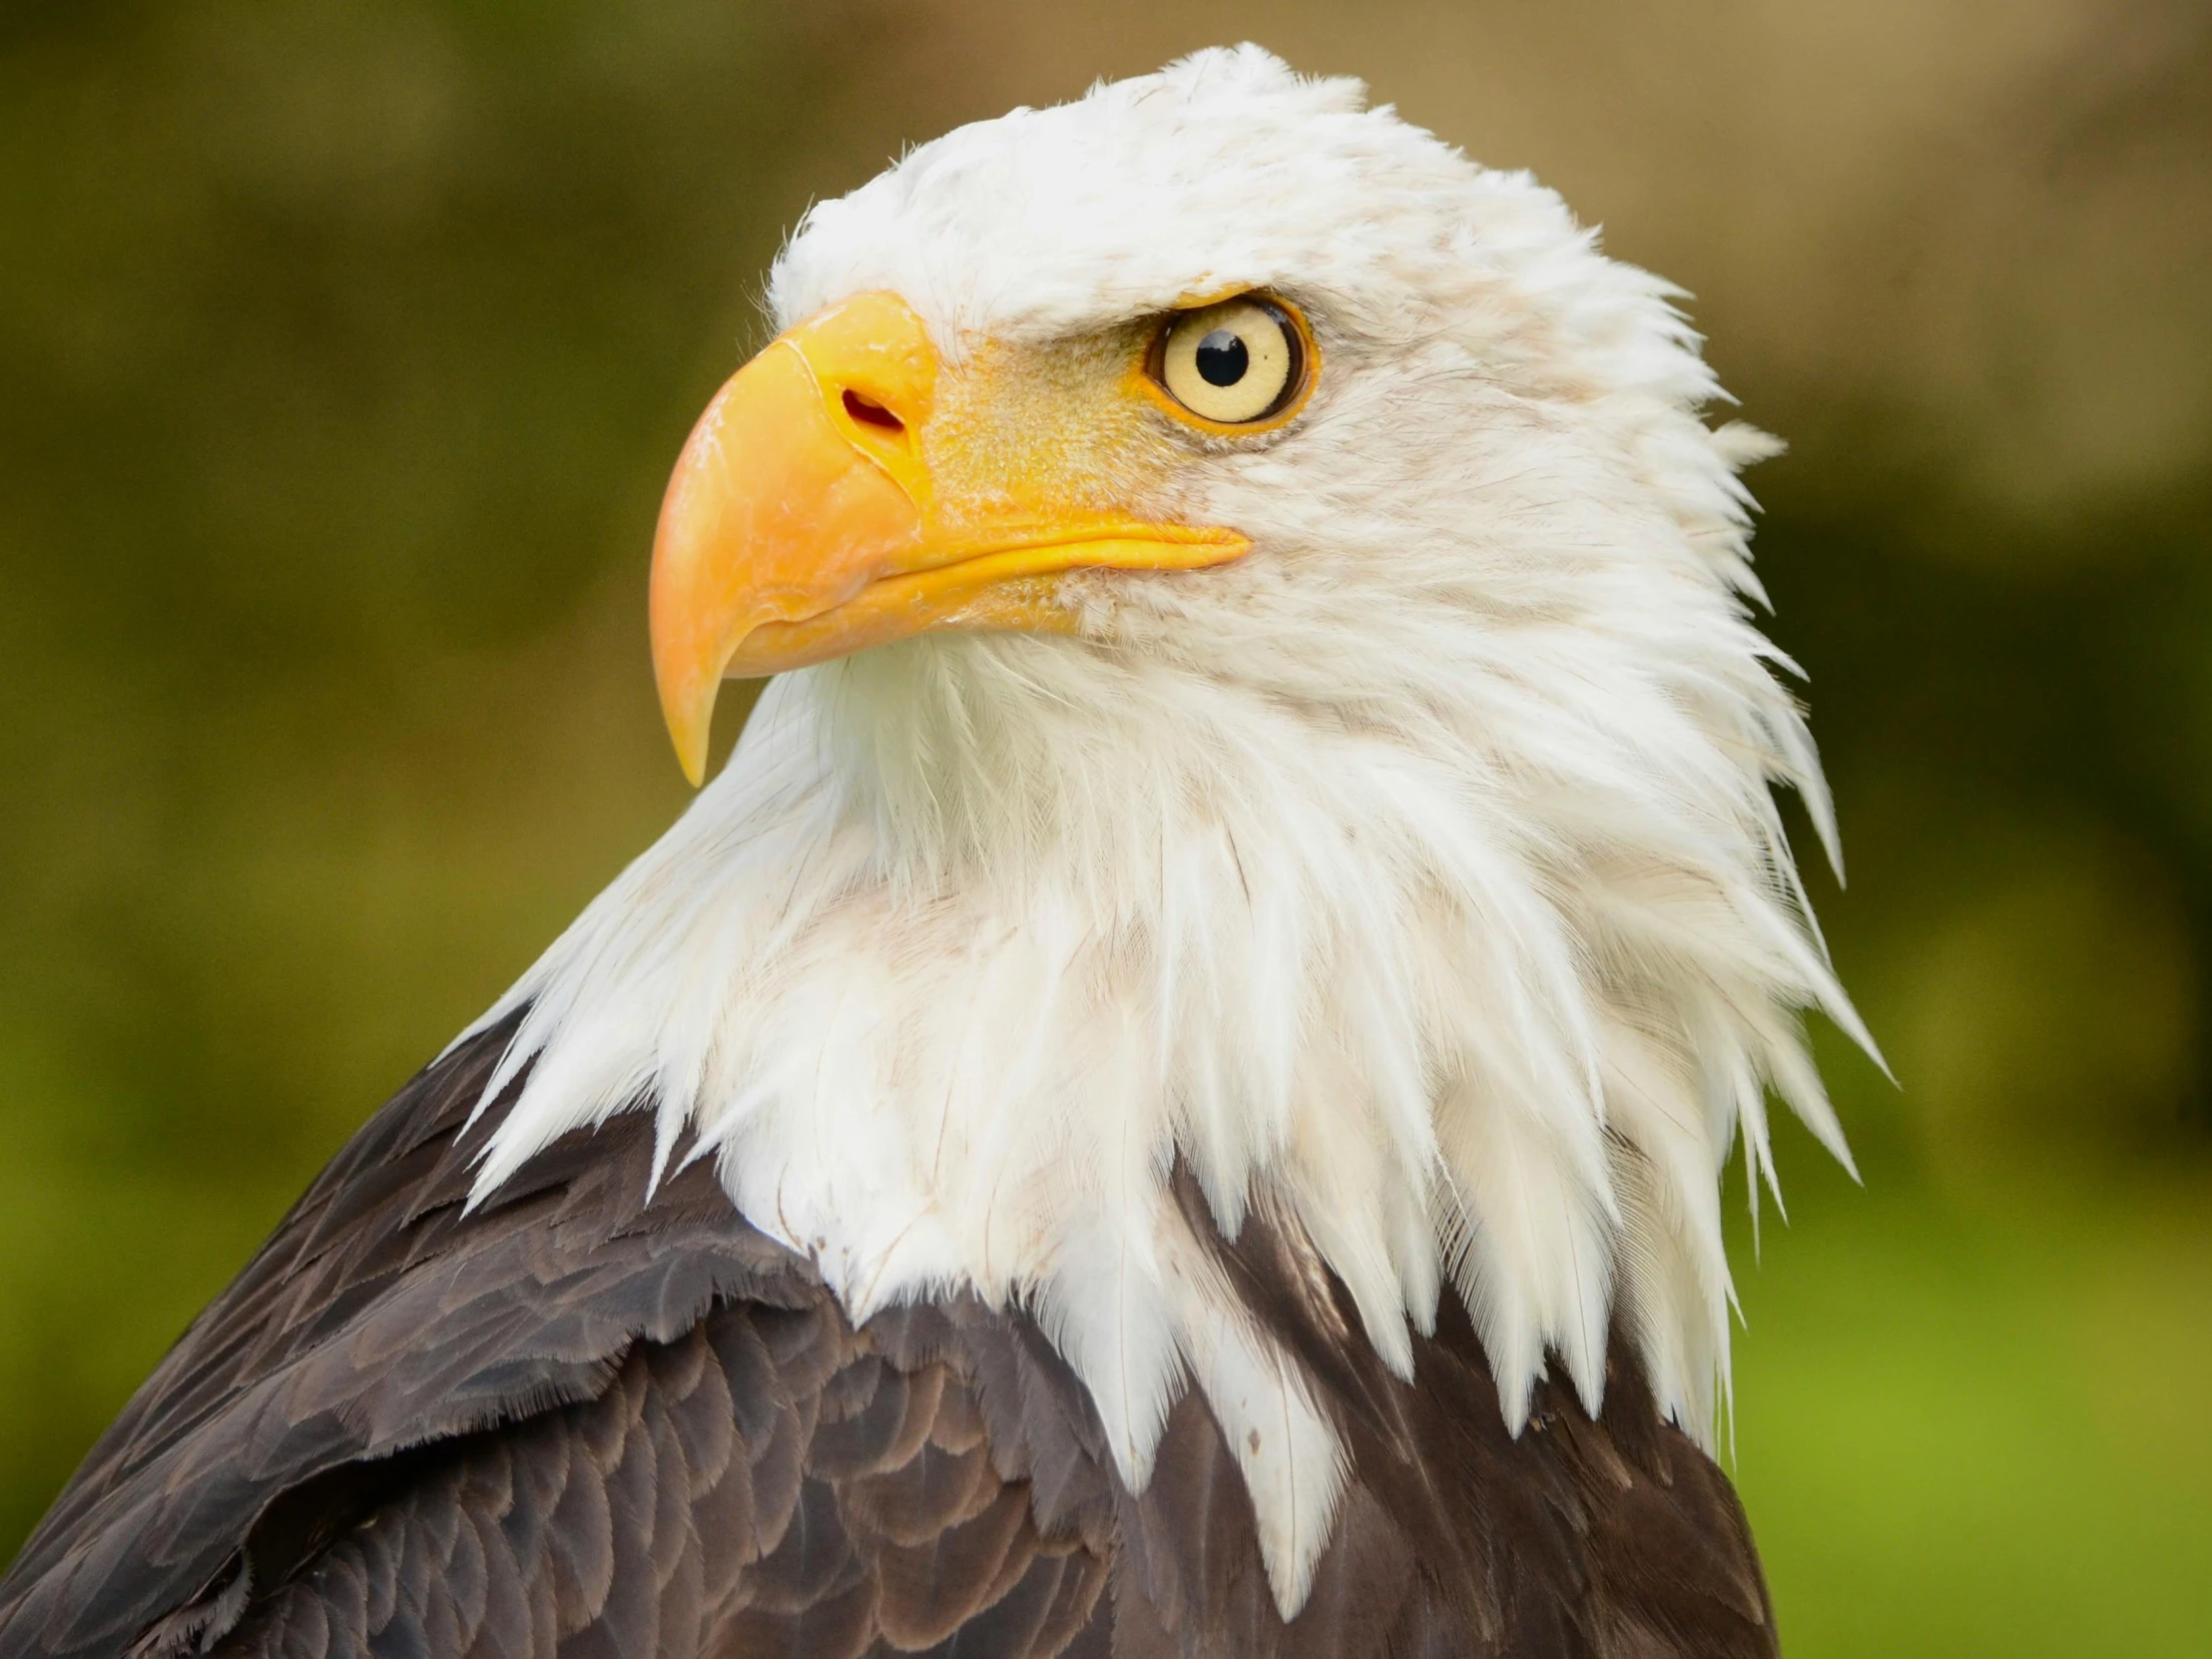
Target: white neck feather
(973, 938)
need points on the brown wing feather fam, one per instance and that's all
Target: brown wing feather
(1614, 1536)
(589, 1420)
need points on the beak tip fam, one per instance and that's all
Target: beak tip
(690, 718)
(690, 738)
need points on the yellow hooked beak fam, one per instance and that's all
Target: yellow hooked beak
(806, 519)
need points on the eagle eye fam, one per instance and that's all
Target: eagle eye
(1234, 364)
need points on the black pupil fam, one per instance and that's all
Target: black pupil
(1222, 359)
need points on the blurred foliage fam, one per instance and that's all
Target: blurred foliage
(343, 349)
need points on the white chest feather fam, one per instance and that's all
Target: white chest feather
(1344, 971)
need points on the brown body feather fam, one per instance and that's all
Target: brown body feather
(580, 1421)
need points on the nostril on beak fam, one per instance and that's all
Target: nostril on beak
(868, 412)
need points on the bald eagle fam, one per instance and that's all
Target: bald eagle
(1170, 1097)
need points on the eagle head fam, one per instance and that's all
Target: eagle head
(1265, 689)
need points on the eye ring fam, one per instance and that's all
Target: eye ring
(1239, 365)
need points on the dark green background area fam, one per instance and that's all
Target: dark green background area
(343, 351)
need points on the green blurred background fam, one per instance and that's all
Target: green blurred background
(343, 349)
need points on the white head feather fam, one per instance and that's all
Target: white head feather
(1419, 870)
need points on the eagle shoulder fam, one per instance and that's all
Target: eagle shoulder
(382, 1319)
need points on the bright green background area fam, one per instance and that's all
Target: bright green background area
(343, 348)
